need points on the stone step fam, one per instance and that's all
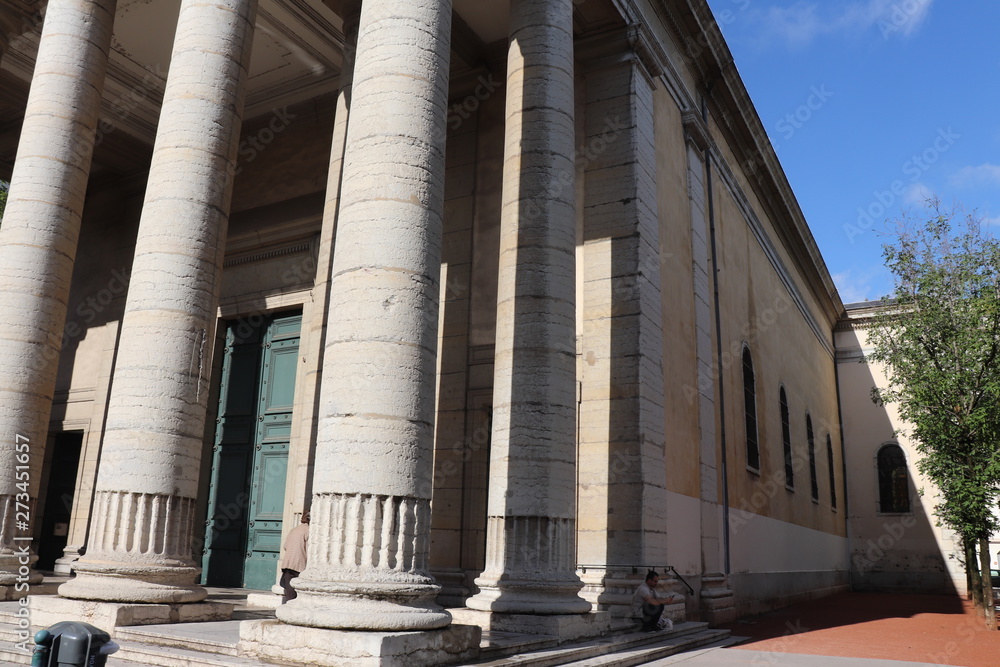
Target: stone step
(694, 653)
(218, 637)
(214, 644)
(136, 654)
(495, 645)
(8, 656)
(683, 636)
(642, 655)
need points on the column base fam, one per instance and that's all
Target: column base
(563, 626)
(118, 582)
(66, 563)
(611, 589)
(717, 600)
(270, 600)
(291, 644)
(9, 585)
(388, 607)
(49, 609)
(531, 597)
(454, 591)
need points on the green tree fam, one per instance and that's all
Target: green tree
(939, 339)
(3, 198)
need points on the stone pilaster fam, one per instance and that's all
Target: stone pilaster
(715, 595)
(38, 244)
(140, 541)
(623, 515)
(370, 529)
(531, 525)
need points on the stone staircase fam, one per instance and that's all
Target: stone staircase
(214, 644)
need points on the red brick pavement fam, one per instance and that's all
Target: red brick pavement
(939, 629)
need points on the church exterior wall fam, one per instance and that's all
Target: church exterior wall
(688, 250)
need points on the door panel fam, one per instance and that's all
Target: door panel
(270, 465)
(250, 456)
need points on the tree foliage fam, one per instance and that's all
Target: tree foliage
(939, 339)
(3, 198)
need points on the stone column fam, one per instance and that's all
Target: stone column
(370, 527)
(139, 548)
(38, 242)
(531, 530)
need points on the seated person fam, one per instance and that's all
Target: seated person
(648, 607)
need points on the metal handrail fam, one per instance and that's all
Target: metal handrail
(681, 579)
(637, 568)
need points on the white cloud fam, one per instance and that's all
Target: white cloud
(984, 174)
(798, 24)
(917, 195)
(855, 285)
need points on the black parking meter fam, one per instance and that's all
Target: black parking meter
(72, 644)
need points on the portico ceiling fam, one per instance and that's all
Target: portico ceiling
(297, 55)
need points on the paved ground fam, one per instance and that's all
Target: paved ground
(859, 629)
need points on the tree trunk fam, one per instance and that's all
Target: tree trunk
(972, 568)
(987, 587)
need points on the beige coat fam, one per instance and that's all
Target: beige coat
(295, 548)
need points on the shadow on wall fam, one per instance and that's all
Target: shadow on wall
(896, 544)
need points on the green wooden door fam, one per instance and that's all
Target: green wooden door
(250, 456)
(270, 460)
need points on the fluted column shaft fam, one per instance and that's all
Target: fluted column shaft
(372, 484)
(140, 544)
(38, 242)
(531, 560)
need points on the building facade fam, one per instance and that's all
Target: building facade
(513, 296)
(897, 543)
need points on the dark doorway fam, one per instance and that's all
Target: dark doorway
(58, 498)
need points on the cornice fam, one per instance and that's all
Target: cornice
(703, 50)
(695, 130)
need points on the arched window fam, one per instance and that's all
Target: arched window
(833, 478)
(812, 457)
(893, 480)
(786, 440)
(750, 411)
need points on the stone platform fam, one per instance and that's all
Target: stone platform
(274, 640)
(47, 610)
(561, 626)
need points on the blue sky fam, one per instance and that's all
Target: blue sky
(873, 105)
